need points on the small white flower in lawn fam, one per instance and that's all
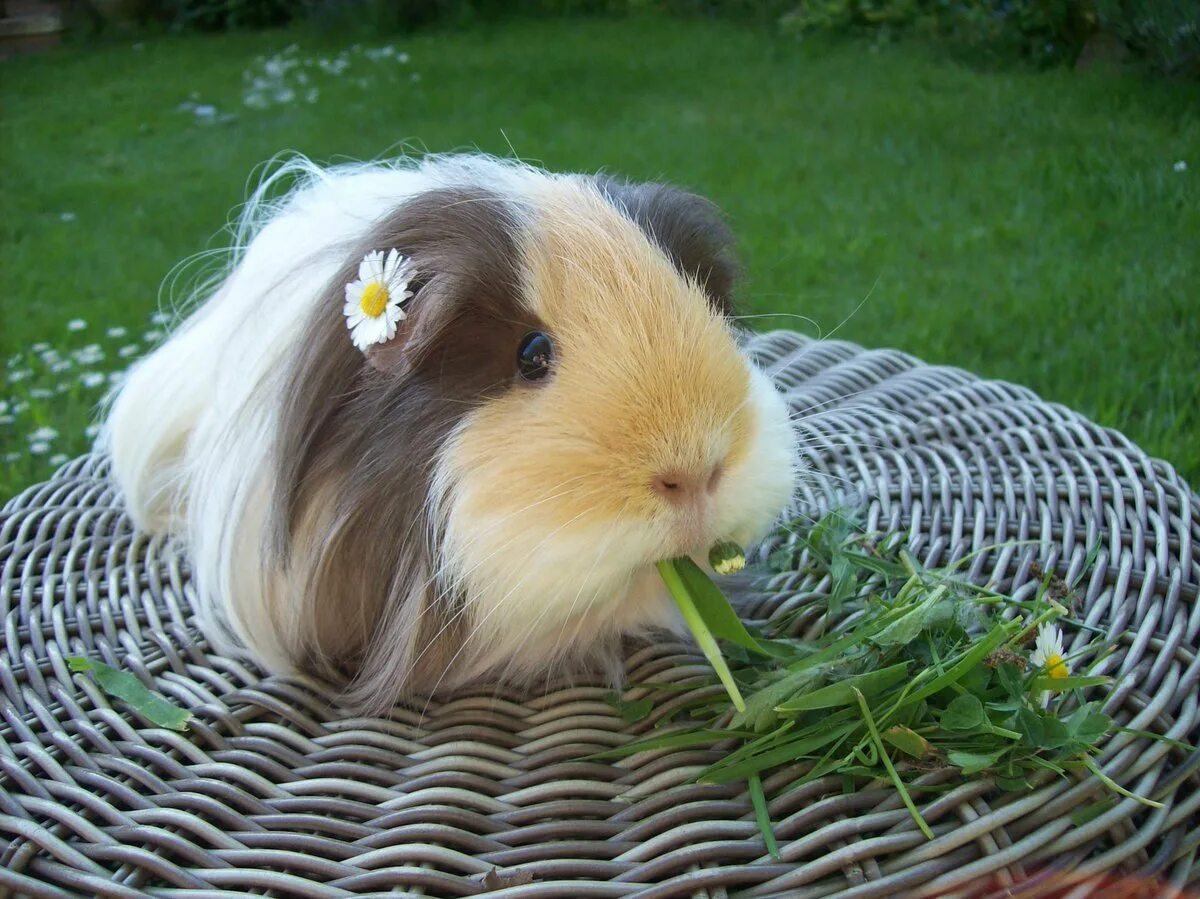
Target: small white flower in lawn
(89, 355)
(19, 375)
(92, 379)
(3, 407)
(151, 336)
(91, 431)
(43, 433)
(40, 347)
(402, 58)
(205, 111)
(160, 318)
(1048, 652)
(62, 388)
(6, 419)
(118, 331)
(50, 356)
(58, 459)
(312, 95)
(41, 393)
(373, 302)
(76, 324)
(66, 217)
(126, 352)
(116, 377)
(12, 457)
(1180, 166)
(39, 448)
(61, 366)
(20, 407)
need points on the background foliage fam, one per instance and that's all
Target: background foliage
(1037, 226)
(1166, 33)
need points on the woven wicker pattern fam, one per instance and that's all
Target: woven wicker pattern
(267, 792)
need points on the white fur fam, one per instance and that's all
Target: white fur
(191, 430)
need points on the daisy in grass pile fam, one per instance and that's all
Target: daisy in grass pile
(1048, 655)
(1048, 652)
(374, 302)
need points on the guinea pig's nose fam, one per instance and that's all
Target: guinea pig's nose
(683, 487)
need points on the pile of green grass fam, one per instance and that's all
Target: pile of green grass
(1029, 226)
(900, 672)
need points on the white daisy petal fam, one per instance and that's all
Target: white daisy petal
(391, 265)
(1048, 645)
(371, 267)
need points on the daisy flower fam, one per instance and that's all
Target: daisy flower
(1048, 652)
(726, 557)
(373, 302)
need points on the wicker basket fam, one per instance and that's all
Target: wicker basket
(487, 791)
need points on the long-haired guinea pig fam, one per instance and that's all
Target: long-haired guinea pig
(485, 490)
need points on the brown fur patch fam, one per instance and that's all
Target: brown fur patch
(357, 442)
(688, 228)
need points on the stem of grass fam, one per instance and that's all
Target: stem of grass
(759, 799)
(704, 638)
(891, 769)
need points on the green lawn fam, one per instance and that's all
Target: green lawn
(1026, 226)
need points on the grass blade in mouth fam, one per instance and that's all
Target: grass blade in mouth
(699, 627)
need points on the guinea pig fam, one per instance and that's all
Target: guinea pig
(483, 490)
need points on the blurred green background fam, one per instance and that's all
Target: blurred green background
(979, 203)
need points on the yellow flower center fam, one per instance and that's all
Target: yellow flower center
(1056, 667)
(374, 299)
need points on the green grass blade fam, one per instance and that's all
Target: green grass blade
(842, 692)
(781, 754)
(714, 608)
(669, 741)
(704, 637)
(759, 799)
(959, 669)
(1116, 787)
(125, 686)
(891, 769)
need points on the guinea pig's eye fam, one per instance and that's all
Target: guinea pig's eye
(534, 356)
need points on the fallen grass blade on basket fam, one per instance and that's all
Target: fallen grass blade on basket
(901, 672)
(125, 686)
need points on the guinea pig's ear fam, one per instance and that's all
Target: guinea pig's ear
(422, 311)
(462, 248)
(687, 227)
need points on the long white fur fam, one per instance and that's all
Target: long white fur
(209, 395)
